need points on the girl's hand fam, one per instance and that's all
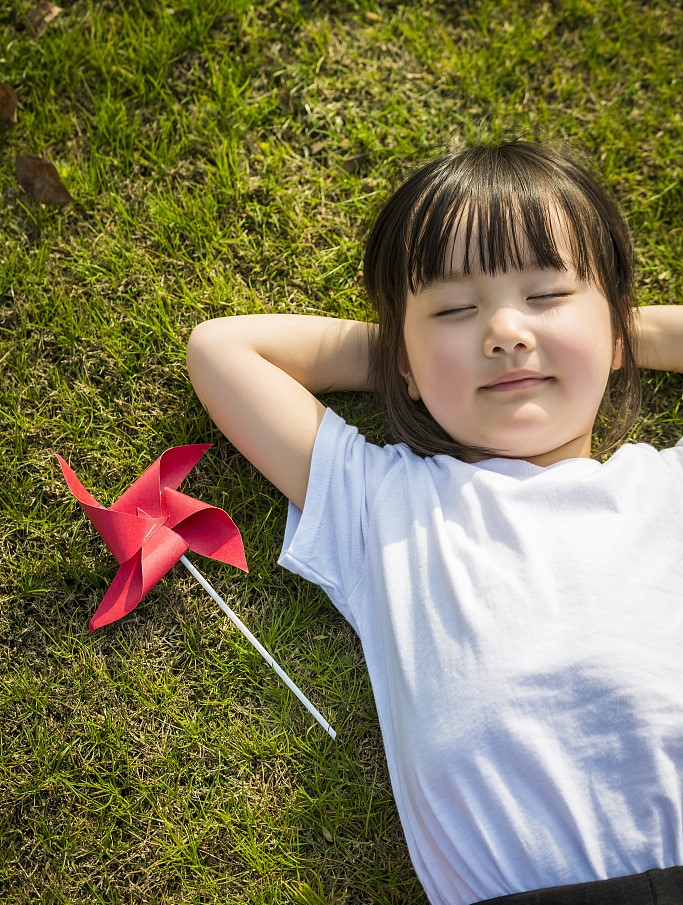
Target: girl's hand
(257, 376)
(660, 337)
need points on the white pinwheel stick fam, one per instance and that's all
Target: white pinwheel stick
(259, 647)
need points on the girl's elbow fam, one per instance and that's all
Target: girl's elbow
(211, 345)
(199, 347)
(192, 352)
(206, 335)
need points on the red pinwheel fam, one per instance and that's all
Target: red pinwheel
(152, 525)
(149, 529)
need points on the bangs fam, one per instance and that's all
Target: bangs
(509, 220)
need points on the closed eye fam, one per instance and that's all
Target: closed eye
(454, 312)
(549, 295)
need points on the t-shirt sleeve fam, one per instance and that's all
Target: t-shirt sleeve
(326, 542)
(674, 456)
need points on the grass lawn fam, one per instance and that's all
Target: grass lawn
(222, 156)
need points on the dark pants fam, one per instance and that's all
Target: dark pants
(655, 887)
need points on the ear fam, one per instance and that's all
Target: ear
(407, 375)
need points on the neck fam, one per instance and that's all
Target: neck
(579, 448)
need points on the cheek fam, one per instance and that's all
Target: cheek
(443, 374)
(585, 349)
(452, 365)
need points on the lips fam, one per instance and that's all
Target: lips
(517, 380)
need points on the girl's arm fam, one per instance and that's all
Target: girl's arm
(660, 337)
(257, 376)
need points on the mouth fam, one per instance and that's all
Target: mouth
(517, 380)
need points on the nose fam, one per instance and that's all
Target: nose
(508, 331)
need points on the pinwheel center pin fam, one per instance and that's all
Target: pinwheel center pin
(154, 526)
(146, 546)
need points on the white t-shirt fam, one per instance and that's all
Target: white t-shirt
(523, 632)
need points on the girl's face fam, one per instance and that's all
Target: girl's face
(515, 362)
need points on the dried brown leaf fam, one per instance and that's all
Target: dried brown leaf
(354, 163)
(8, 104)
(41, 180)
(40, 17)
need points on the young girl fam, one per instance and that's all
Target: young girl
(519, 603)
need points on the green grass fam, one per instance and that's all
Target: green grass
(223, 156)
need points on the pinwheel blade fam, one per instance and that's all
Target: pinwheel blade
(169, 470)
(138, 576)
(122, 532)
(206, 529)
(123, 595)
